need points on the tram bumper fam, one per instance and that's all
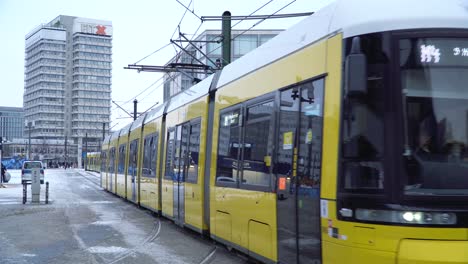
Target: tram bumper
(432, 251)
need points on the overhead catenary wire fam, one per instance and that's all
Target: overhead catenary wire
(191, 11)
(256, 24)
(153, 52)
(252, 13)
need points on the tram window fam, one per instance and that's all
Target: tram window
(228, 147)
(145, 172)
(194, 149)
(363, 125)
(258, 145)
(103, 161)
(132, 163)
(149, 156)
(154, 154)
(170, 165)
(111, 160)
(121, 165)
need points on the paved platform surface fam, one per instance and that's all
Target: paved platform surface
(84, 224)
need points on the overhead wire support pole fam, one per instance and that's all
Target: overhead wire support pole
(199, 50)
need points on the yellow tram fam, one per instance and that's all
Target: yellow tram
(341, 140)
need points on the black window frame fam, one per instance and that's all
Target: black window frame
(264, 99)
(193, 122)
(122, 149)
(222, 112)
(169, 130)
(243, 107)
(148, 154)
(436, 201)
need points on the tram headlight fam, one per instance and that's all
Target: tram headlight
(406, 217)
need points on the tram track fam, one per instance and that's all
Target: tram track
(154, 233)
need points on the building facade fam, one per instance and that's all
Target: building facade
(209, 43)
(11, 123)
(67, 92)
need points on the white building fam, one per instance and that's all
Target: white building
(67, 90)
(242, 42)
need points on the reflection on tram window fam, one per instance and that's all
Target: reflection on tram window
(111, 168)
(169, 172)
(103, 161)
(436, 118)
(363, 126)
(228, 147)
(121, 165)
(149, 156)
(258, 146)
(132, 164)
(194, 149)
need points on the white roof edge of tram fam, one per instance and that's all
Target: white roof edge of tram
(351, 17)
(378, 16)
(115, 135)
(186, 96)
(125, 129)
(138, 122)
(155, 113)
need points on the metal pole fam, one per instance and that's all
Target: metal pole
(86, 153)
(66, 140)
(47, 193)
(135, 102)
(29, 148)
(25, 192)
(103, 130)
(226, 31)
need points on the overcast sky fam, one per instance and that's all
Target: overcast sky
(140, 27)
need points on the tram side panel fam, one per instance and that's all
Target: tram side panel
(113, 163)
(149, 180)
(122, 165)
(133, 165)
(243, 209)
(196, 119)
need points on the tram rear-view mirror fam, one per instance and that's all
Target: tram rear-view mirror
(356, 70)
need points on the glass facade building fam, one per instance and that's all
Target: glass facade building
(67, 91)
(11, 123)
(242, 43)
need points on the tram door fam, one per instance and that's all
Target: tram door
(180, 158)
(298, 171)
(133, 169)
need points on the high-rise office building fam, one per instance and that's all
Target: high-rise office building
(11, 122)
(67, 90)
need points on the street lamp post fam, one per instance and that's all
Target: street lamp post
(30, 125)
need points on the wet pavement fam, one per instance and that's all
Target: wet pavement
(84, 224)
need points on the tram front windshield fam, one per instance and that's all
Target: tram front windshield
(434, 78)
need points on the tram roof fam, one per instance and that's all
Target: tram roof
(191, 94)
(115, 135)
(351, 17)
(125, 129)
(155, 113)
(138, 122)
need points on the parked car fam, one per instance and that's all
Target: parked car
(26, 171)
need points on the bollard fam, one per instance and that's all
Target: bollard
(47, 192)
(25, 192)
